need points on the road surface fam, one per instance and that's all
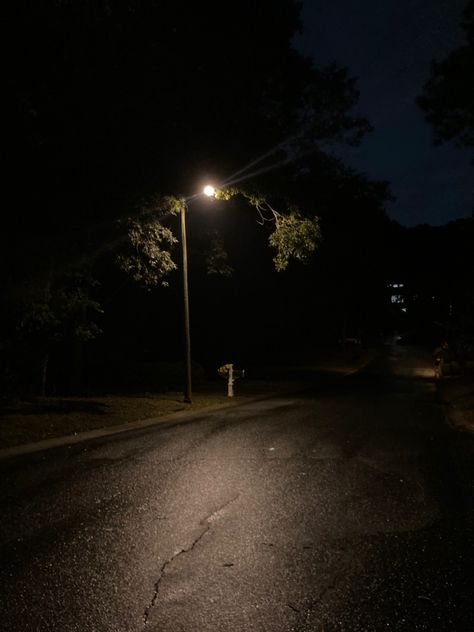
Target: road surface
(345, 507)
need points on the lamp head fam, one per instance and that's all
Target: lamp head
(209, 190)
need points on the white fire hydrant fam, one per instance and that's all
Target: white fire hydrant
(230, 382)
(232, 375)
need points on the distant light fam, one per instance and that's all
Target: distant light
(209, 190)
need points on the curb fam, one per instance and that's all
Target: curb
(182, 415)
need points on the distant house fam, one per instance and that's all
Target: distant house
(398, 295)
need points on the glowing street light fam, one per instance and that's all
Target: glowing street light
(209, 191)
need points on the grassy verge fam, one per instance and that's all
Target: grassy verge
(26, 421)
(45, 418)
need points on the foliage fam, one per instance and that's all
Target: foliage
(448, 95)
(64, 310)
(294, 236)
(50, 315)
(112, 132)
(217, 259)
(144, 91)
(327, 115)
(148, 258)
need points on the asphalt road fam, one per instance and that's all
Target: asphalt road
(346, 507)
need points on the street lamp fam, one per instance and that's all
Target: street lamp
(209, 191)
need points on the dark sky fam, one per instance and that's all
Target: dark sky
(389, 45)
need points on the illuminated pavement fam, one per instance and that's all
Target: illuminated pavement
(346, 508)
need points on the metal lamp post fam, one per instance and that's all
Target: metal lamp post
(209, 191)
(187, 334)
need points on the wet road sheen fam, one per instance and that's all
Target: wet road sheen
(347, 507)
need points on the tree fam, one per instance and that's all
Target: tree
(120, 99)
(448, 95)
(49, 307)
(113, 102)
(63, 313)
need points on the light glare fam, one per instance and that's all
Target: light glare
(209, 190)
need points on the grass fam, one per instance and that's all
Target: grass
(26, 421)
(48, 417)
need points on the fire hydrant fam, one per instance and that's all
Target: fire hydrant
(232, 374)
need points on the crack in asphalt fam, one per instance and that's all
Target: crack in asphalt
(215, 515)
(156, 587)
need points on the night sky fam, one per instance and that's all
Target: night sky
(389, 45)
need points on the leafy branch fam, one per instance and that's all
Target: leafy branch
(148, 252)
(294, 236)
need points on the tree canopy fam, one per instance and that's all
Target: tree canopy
(111, 100)
(119, 109)
(448, 95)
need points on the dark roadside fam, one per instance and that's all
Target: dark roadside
(28, 421)
(456, 393)
(42, 419)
